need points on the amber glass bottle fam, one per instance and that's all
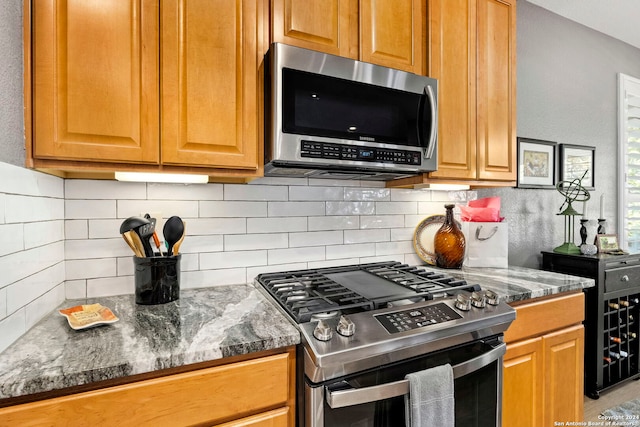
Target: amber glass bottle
(449, 242)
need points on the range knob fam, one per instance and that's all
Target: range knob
(322, 331)
(492, 298)
(346, 327)
(463, 302)
(478, 300)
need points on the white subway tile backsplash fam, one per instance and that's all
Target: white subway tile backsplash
(369, 194)
(244, 242)
(90, 268)
(19, 265)
(276, 224)
(343, 222)
(103, 189)
(207, 226)
(296, 208)
(110, 286)
(76, 229)
(367, 236)
(17, 180)
(42, 233)
(64, 240)
(316, 193)
(351, 208)
(12, 238)
(382, 221)
(315, 238)
(12, 328)
(157, 191)
(21, 209)
(75, 289)
(350, 251)
(232, 209)
(196, 244)
(89, 209)
(40, 307)
(388, 208)
(221, 260)
(96, 248)
(249, 192)
(182, 208)
(293, 255)
(27, 290)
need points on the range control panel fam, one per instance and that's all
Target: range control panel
(327, 150)
(401, 321)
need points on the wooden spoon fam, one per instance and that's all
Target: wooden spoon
(176, 247)
(134, 242)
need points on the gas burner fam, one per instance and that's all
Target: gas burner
(326, 315)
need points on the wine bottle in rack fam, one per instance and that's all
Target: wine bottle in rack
(614, 305)
(615, 340)
(629, 335)
(624, 303)
(623, 353)
(607, 359)
(614, 355)
(635, 300)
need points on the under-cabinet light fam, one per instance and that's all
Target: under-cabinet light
(176, 178)
(444, 187)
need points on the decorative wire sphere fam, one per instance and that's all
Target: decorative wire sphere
(573, 191)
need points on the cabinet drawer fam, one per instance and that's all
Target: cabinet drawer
(617, 279)
(197, 397)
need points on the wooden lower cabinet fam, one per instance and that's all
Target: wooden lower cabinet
(544, 363)
(257, 393)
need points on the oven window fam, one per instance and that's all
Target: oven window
(320, 105)
(476, 394)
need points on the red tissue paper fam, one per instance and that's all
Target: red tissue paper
(482, 210)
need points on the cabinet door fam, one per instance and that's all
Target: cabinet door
(391, 33)
(523, 384)
(496, 90)
(211, 94)
(329, 26)
(564, 374)
(452, 60)
(95, 80)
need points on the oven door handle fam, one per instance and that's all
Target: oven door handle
(357, 396)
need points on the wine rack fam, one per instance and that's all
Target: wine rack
(612, 315)
(620, 339)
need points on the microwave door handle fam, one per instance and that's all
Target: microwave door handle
(356, 396)
(433, 113)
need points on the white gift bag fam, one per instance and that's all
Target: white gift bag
(487, 244)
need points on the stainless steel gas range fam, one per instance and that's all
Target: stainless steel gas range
(365, 327)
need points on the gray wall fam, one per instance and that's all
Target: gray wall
(567, 93)
(11, 103)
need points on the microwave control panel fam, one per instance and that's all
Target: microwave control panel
(327, 150)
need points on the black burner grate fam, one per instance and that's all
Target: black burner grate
(305, 293)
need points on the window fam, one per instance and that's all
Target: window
(629, 162)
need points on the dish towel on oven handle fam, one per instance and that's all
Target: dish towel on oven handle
(430, 401)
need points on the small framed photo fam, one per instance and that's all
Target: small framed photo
(607, 243)
(578, 162)
(536, 163)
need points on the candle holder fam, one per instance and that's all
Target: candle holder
(583, 231)
(601, 229)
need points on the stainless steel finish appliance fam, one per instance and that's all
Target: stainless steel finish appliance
(365, 327)
(333, 117)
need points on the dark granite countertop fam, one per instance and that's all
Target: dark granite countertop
(203, 325)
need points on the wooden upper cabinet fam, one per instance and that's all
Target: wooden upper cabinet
(211, 53)
(95, 80)
(391, 34)
(328, 26)
(496, 90)
(382, 32)
(472, 53)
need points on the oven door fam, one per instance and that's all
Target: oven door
(376, 397)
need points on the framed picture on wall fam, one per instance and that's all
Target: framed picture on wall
(536, 163)
(578, 162)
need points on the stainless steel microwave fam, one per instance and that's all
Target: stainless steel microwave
(333, 117)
